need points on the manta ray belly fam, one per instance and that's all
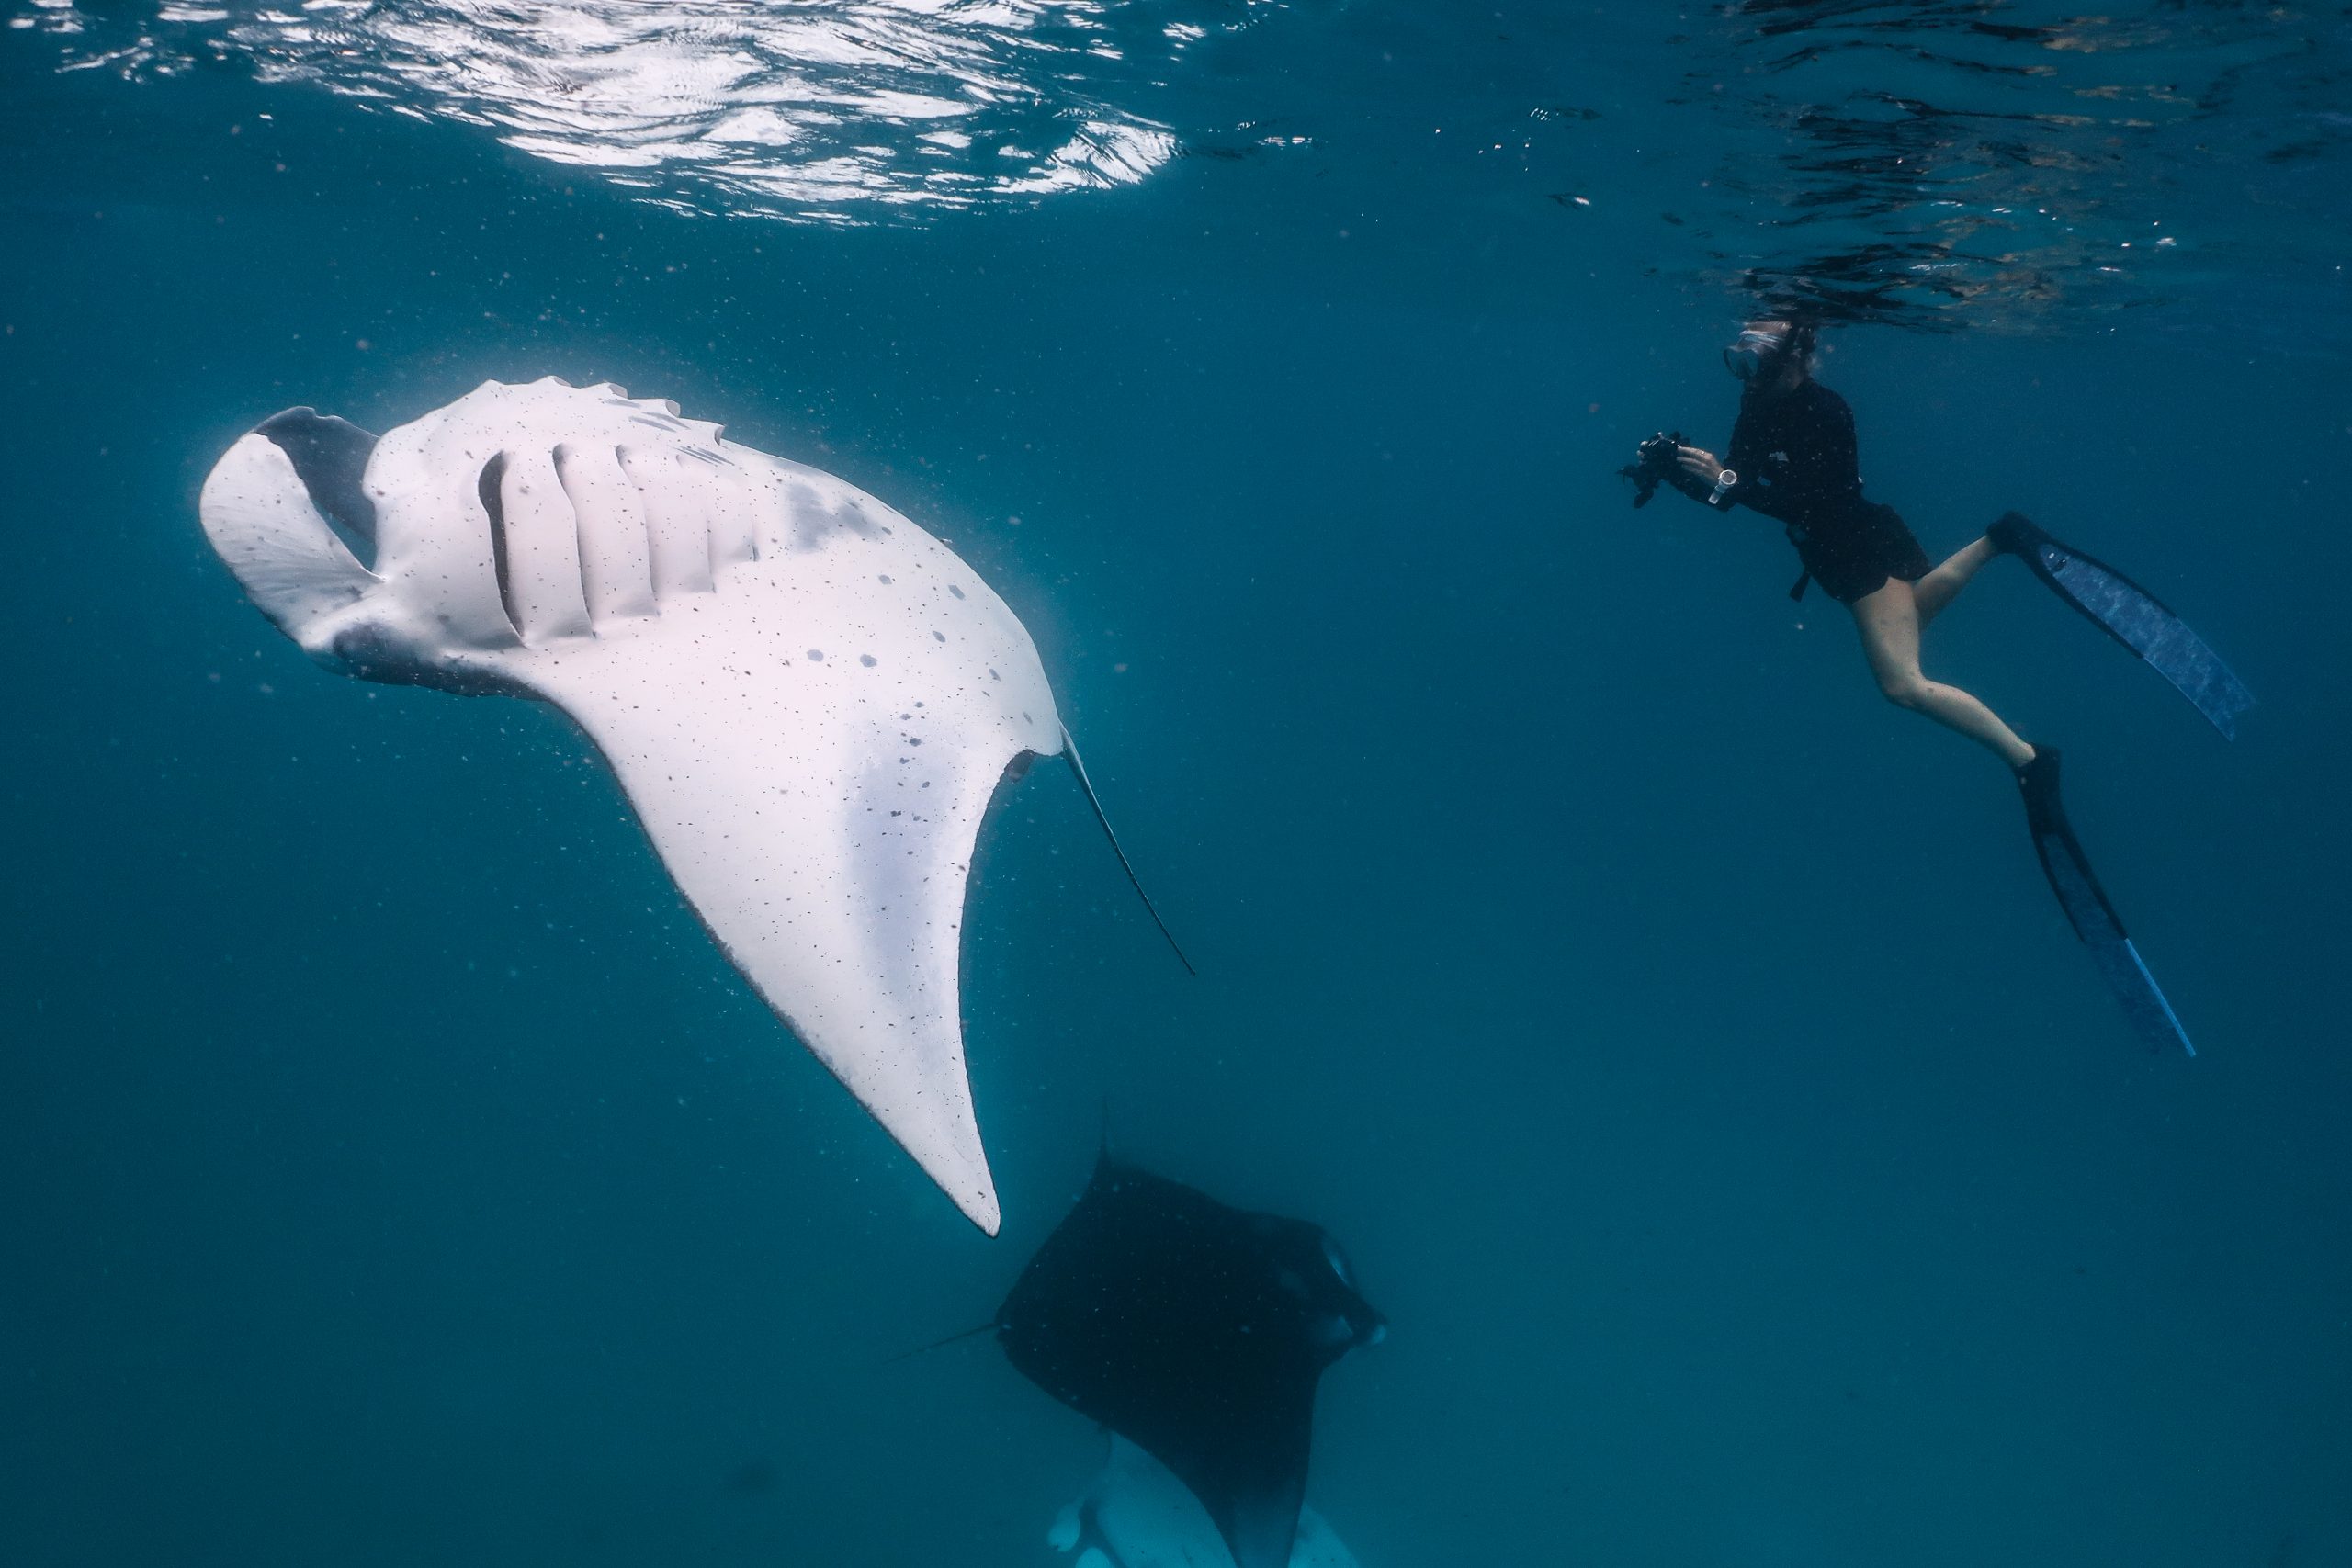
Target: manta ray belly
(808, 700)
(1137, 1515)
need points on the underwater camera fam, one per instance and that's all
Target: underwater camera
(1653, 463)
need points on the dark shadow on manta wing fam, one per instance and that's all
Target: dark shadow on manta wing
(1197, 1332)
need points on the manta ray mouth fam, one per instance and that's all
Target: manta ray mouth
(329, 456)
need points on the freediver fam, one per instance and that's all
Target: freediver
(1794, 459)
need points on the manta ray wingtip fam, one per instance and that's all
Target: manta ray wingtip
(981, 1208)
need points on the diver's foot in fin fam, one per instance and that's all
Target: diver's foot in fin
(2131, 616)
(2086, 909)
(2038, 775)
(2015, 533)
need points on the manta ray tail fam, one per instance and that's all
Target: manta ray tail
(1078, 766)
(939, 1344)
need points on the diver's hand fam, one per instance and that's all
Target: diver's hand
(1699, 463)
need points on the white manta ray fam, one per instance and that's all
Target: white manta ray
(807, 699)
(1137, 1515)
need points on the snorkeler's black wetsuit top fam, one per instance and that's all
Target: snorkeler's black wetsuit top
(1795, 456)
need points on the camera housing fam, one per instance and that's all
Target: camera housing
(1653, 463)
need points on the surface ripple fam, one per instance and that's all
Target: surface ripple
(825, 111)
(1935, 165)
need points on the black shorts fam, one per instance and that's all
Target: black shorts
(1856, 552)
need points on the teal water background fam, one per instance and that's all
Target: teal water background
(1682, 1042)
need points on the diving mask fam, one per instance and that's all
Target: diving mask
(1757, 352)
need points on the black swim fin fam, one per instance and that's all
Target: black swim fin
(2087, 910)
(2131, 616)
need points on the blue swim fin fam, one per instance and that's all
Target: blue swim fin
(2133, 617)
(2088, 912)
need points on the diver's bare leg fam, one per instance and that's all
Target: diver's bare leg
(1888, 622)
(1941, 586)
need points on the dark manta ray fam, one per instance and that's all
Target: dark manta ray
(1197, 1332)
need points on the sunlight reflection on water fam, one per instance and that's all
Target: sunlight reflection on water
(809, 111)
(1936, 165)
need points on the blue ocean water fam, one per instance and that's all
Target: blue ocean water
(1682, 1041)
